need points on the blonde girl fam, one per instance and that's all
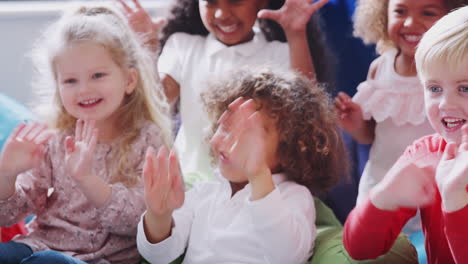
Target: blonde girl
(83, 180)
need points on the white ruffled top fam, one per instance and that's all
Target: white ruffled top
(390, 95)
(396, 103)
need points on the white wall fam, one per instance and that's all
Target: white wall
(20, 25)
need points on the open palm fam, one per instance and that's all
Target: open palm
(164, 190)
(80, 149)
(24, 149)
(294, 14)
(140, 21)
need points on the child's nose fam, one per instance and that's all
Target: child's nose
(409, 21)
(448, 101)
(222, 13)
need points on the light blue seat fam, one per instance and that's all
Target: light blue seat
(11, 113)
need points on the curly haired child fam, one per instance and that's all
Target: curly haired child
(83, 180)
(276, 144)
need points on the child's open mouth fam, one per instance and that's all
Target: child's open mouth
(90, 103)
(453, 123)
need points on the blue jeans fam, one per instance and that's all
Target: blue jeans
(18, 253)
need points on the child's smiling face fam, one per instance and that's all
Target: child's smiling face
(90, 83)
(446, 99)
(231, 21)
(408, 20)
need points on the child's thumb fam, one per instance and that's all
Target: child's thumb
(450, 151)
(268, 14)
(69, 145)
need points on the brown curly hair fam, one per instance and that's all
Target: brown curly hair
(310, 147)
(371, 18)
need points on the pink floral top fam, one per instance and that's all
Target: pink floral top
(66, 221)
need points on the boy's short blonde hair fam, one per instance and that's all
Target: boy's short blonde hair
(445, 43)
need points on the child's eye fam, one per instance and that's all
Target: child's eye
(464, 89)
(399, 11)
(98, 75)
(435, 89)
(70, 81)
(429, 13)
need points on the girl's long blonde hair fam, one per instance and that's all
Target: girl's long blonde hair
(371, 21)
(107, 27)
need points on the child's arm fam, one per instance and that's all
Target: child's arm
(141, 22)
(148, 30)
(160, 238)
(372, 227)
(164, 192)
(350, 113)
(452, 181)
(352, 121)
(25, 172)
(293, 17)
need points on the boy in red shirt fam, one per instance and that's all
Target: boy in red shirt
(432, 174)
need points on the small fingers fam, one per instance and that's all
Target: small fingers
(25, 131)
(79, 130)
(15, 133)
(450, 151)
(93, 140)
(35, 131)
(89, 130)
(317, 5)
(149, 169)
(43, 137)
(137, 4)
(174, 170)
(69, 145)
(162, 170)
(127, 10)
(464, 139)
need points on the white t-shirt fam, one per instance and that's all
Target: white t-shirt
(213, 227)
(396, 103)
(192, 60)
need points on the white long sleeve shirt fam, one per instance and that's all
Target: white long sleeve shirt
(213, 227)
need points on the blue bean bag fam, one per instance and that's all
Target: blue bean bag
(11, 113)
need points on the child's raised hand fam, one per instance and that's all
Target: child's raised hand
(452, 174)
(349, 113)
(294, 14)
(79, 150)
(164, 190)
(24, 149)
(141, 22)
(240, 140)
(405, 185)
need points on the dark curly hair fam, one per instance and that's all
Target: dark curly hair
(310, 147)
(185, 17)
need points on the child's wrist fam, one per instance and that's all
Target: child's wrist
(380, 198)
(454, 201)
(157, 226)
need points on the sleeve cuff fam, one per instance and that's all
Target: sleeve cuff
(152, 251)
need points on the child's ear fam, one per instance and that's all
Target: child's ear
(132, 80)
